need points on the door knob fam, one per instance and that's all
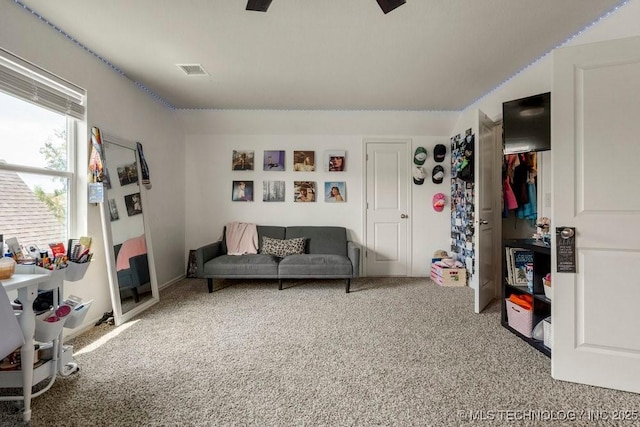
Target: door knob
(403, 216)
(483, 221)
(567, 233)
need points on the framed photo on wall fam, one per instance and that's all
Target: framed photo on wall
(335, 160)
(242, 191)
(304, 161)
(133, 204)
(274, 160)
(242, 160)
(334, 192)
(305, 191)
(273, 191)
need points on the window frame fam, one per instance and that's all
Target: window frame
(59, 96)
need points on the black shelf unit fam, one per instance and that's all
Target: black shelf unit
(541, 304)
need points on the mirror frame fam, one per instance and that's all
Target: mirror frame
(118, 316)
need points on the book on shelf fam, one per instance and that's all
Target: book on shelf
(509, 265)
(520, 259)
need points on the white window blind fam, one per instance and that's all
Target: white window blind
(33, 84)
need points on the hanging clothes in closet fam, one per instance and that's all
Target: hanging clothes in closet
(509, 201)
(528, 209)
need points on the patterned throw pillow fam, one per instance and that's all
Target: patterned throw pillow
(281, 248)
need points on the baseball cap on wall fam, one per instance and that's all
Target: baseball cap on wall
(438, 202)
(439, 152)
(420, 156)
(438, 174)
(419, 175)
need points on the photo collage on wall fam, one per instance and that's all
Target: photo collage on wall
(304, 190)
(463, 199)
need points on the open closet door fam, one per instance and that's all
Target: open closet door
(487, 223)
(595, 317)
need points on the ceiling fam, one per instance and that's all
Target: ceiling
(426, 55)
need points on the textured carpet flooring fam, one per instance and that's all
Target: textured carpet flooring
(395, 351)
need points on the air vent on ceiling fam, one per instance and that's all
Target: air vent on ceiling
(193, 69)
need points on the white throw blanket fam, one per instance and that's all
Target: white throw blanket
(242, 238)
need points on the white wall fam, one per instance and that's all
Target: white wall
(117, 107)
(213, 135)
(537, 78)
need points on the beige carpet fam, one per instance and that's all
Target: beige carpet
(397, 351)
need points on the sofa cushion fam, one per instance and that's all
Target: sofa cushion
(252, 265)
(315, 266)
(282, 247)
(321, 239)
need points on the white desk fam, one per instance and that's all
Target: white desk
(27, 287)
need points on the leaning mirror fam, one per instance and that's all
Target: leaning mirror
(132, 278)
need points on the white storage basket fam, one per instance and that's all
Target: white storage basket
(75, 271)
(77, 315)
(520, 318)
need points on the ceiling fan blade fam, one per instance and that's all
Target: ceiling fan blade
(258, 5)
(388, 5)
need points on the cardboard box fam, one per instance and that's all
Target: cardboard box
(448, 276)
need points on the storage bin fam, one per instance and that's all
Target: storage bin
(548, 291)
(47, 331)
(548, 337)
(448, 276)
(519, 318)
(75, 271)
(77, 315)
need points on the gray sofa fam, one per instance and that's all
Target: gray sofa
(327, 255)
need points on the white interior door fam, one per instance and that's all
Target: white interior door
(595, 152)
(388, 224)
(487, 216)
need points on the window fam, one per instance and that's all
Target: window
(38, 115)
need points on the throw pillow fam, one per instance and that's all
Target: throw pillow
(281, 248)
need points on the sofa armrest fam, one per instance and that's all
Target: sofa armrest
(140, 269)
(125, 279)
(353, 252)
(207, 253)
